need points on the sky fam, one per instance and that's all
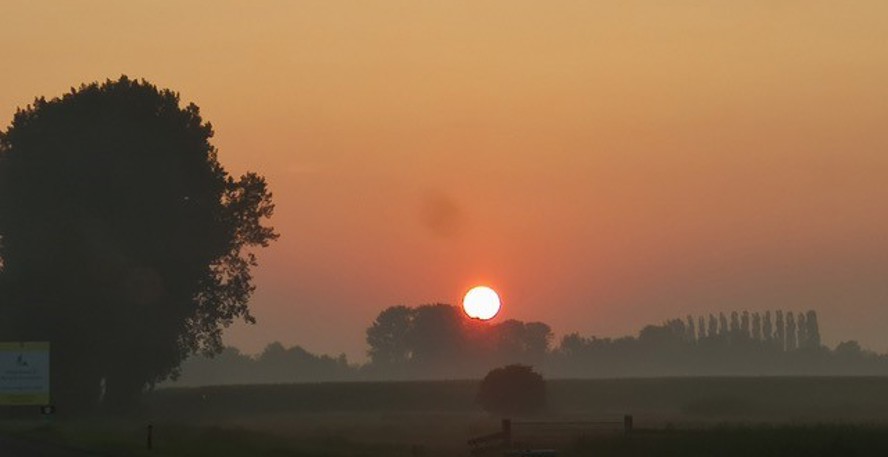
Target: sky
(602, 165)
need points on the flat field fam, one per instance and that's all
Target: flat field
(672, 416)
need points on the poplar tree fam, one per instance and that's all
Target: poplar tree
(767, 327)
(779, 330)
(791, 342)
(756, 326)
(735, 324)
(813, 332)
(802, 331)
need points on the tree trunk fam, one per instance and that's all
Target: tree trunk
(122, 391)
(74, 383)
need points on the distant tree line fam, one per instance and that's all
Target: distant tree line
(786, 334)
(437, 341)
(434, 341)
(275, 364)
(739, 343)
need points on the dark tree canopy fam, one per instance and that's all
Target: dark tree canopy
(513, 389)
(672, 349)
(440, 340)
(123, 240)
(389, 336)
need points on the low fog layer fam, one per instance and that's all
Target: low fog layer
(438, 342)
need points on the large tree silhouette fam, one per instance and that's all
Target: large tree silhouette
(123, 240)
(436, 340)
(389, 337)
(428, 339)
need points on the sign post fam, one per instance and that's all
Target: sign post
(24, 373)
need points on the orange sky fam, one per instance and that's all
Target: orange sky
(604, 165)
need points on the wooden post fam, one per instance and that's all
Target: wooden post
(149, 444)
(627, 424)
(507, 433)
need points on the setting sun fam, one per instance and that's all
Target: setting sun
(482, 303)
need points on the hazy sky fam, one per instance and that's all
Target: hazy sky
(603, 165)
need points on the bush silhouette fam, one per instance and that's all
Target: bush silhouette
(513, 389)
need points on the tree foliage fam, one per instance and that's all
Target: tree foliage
(438, 340)
(123, 240)
(513, 389)
(388, 337)
(670, 349)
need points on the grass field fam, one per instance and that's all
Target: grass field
(652, 401)
(674, 416)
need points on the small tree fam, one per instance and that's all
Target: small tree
(735, 324)
(513, 389)
(801, 331)
(767, 327)
(713, 326)
(779, 330)
(813, 331)
(790, 335)
(756, 326)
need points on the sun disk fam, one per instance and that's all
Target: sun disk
(482, 303)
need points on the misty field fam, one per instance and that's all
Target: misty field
(673, 416)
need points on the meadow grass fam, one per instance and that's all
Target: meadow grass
(128, 438)
(741, 441)
(673, 416)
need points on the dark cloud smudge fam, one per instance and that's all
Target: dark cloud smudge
(441, 214)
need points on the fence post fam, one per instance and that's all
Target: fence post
(507, 433)
(627, 424)
(149, 443)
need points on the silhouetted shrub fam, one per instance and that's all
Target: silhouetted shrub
(514, 389)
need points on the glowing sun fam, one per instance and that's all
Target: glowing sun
(481, 302)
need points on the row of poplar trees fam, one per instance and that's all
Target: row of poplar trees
(786, 331)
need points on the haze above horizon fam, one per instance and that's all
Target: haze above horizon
(601, 166)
